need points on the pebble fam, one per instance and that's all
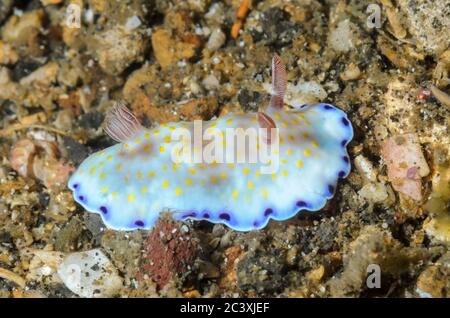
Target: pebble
(132, 23)
(211, 82)
(216, 40)
(90, 274)
(341, 38)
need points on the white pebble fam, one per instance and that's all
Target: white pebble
(90, 274)
(216, 40)
(211, 82)
(132, 23)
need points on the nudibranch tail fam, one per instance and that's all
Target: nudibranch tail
(121, 124)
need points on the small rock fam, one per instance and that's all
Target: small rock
(216, 40)
(351, 72)
(374, 192)
(211, 82)
(90, 274)
(316, 274)
(132, 23)
(7, 54)
(342, 37)
(434, 281)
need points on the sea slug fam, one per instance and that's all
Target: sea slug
(132, 182)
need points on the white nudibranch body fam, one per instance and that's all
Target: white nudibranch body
(131, 183)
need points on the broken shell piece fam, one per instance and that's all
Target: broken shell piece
(40, 159)
(90, 274)
(406, 164)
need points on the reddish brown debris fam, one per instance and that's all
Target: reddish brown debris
(169, 252)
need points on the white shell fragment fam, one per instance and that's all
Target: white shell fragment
(90, 274)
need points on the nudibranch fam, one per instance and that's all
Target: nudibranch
(131, 183)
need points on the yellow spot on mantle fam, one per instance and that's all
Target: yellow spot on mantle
(140, 175)
(245, 170)
(235, 194)
(144, 189)
(192, 171)
(315, 144)
(290, 152)
(137, 140)
(188, 182)
(178, 192)
(307, 152)
(104, 190)
(284, 172)
(109, 157)
(213, 179)
(299, 163)
(156, 132)
(102, 175)
(151, 174)
(223, 175)
(119, 167)
(114, 194)
(162, 149)
(147, 135)
(265, 193)
(250, 185)
(131, 197)
(165, 184)
(92, 170)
